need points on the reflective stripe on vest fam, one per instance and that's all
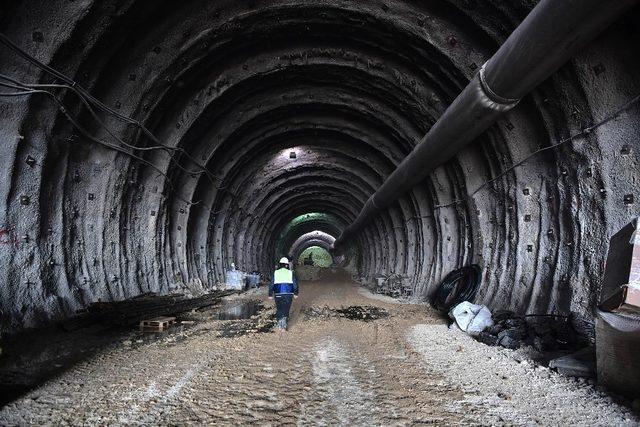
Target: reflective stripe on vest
(283, 275)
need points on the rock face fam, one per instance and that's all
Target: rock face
(298, 111)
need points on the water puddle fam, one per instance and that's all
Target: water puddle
(244, 317)
(237, 310)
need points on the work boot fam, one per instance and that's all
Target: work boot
(282, 323)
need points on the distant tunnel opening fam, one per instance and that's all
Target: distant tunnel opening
(315, 256)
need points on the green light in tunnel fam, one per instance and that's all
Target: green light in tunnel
(308, 217)
(312, 216)
(320, 256)
(301, 219)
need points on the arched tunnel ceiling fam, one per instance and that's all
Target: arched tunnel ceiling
(313, 238)
(233, 88)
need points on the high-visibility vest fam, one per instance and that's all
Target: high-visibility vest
(283, 282)
(283, 275)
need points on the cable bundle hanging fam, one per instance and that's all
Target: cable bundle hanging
(92, 104)
(458, 286)
(583, 132)
(25, 90)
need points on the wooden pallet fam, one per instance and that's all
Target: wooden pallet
(157, 324)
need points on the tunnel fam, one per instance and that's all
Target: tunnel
(149, 146)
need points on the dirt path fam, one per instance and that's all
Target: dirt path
(324, 371)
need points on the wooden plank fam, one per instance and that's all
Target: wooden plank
(157, 324)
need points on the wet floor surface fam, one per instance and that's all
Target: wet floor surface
(30, 359)
(237, 310)
(346, 360)
(235, 369)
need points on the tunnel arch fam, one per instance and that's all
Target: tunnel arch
(313, 238)
(351, 87)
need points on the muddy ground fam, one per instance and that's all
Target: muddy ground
(348, 359)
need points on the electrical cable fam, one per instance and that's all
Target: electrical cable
(583, 132)
(458, 286)
(87, 97)
(88, 135)
(102, 124)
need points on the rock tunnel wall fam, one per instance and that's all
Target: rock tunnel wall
(99, 210)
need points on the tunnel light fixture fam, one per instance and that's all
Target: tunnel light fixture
(287, 155)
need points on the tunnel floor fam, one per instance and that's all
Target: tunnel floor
(403, 368)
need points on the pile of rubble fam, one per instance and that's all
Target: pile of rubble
(393, 285)
(542, 332)
(554, 337)
(363, 313)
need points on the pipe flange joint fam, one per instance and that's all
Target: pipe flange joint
(507, 103)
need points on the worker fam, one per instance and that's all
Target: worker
(284, 288)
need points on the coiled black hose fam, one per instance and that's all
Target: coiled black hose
(459, 285)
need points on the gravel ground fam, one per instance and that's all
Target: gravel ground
(404, 369)
(506, 387)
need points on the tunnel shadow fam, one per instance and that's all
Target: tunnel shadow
(34, 356)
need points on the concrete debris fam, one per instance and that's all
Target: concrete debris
(511, 338)
(487, 338)
(544, 342)
(545, 333)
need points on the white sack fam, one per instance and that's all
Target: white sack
(471, 318)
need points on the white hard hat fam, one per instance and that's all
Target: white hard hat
(284, 260)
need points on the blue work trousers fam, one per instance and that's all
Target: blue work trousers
(283, 305)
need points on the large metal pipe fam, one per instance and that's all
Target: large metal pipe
(547, 38)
